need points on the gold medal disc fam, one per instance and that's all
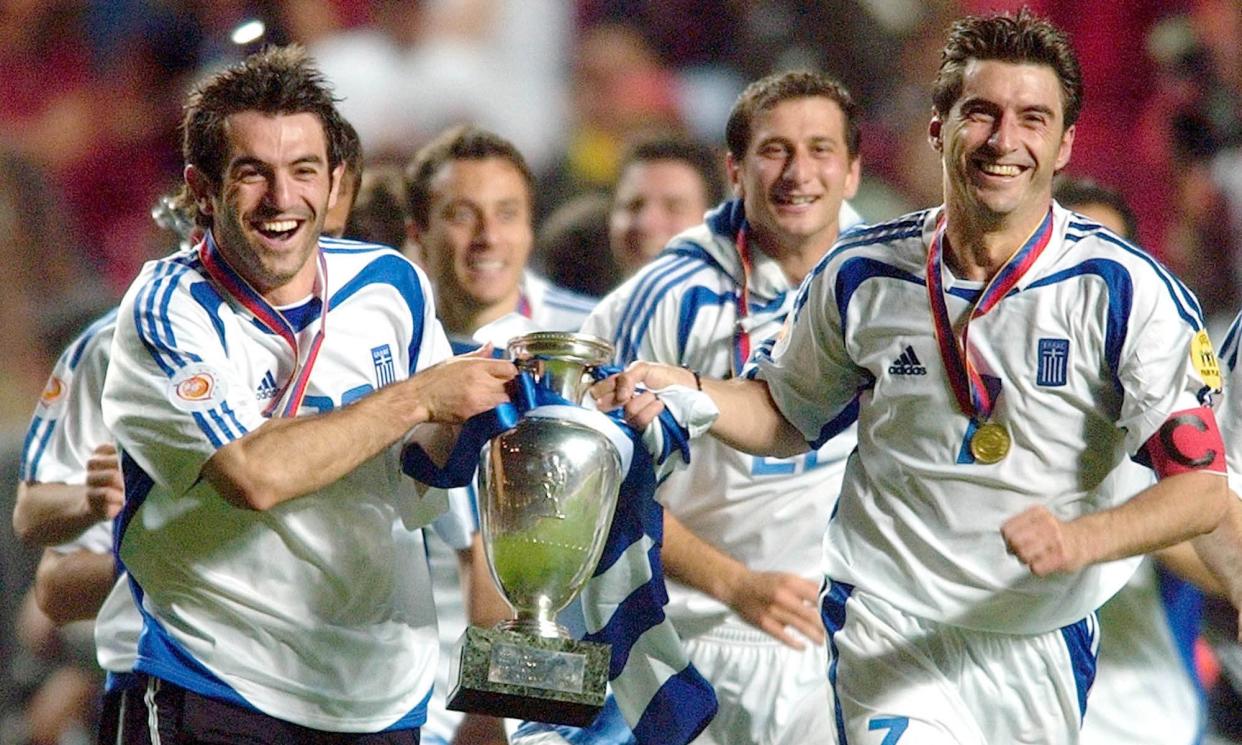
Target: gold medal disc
(990, 443)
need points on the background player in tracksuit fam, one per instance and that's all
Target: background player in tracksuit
(743, 532)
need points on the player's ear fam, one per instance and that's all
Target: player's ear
(201, 187)
(934, 132)
(734, 169)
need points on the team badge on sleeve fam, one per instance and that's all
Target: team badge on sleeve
(53, 393)
(1204, 359)
(196, 388)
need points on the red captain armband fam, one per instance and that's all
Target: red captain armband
(1188, 441)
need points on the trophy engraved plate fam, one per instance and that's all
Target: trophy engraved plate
(558, 671)
(547, 491)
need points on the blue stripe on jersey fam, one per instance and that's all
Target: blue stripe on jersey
(871, 236)
(30, 461)
(163, 656)
(138, 484)
(688, 249)
(855, 271)
(79, 346)
(398, 273)
(166, 321)
(350, 246)
(1229, 350)
(658, 272)
(1193, 316)
(629, 348)
(1083, 644)
(695, 300)
(151, 322)
(1182, 604)
(1170, 278)
(206, 428)
(643, 301)
(301, 316)
(158, 653)
(207, 297)
(1120, 300)
(907, 226)
(412, 719)
(832, 611)
(840, 422)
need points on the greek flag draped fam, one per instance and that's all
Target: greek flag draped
(659, 693)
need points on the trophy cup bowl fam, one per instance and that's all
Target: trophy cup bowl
(548, 490)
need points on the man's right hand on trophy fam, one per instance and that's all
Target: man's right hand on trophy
(460, 387)
(635, 388)
(643, 391)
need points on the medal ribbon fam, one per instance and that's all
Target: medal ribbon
(741, 337)
(973, 397)
(228, 280)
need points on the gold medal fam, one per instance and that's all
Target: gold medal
(990, 443)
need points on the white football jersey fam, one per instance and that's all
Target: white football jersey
(1093, 350)
(317, 611)
(68, 425)
(682, 309)
(1229, 406)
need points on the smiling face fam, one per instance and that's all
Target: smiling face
(794, 175)
(654, 201)
(1002, 142)
(269, 209)
(477, 240)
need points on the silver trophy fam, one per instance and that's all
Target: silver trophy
(548, 489)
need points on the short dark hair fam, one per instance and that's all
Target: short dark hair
(763, 94)
(351, 155)
(276, 80)
(699, 157)
(1072, 193)
(463, 142)
(378, 215)
(1021, 38)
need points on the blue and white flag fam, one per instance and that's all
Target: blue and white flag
(661, 696)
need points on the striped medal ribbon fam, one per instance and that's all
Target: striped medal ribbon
(235, 286)
(989, 441)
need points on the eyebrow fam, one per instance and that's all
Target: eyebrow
(979, 101)
(250, 160)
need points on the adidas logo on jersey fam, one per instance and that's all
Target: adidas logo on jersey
(907, 364)
(267, 388)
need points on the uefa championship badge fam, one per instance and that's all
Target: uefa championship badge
(548, 490)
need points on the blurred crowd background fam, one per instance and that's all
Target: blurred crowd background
(90, 95)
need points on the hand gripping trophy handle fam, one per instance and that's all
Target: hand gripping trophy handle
(548, 490)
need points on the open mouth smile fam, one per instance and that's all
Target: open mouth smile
(277, 230)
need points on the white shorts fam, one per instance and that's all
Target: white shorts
(901, 680)
(769, 694)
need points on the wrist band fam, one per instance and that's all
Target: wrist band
(698, 379)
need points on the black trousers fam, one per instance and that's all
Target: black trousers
(175, 716)
(122, 712)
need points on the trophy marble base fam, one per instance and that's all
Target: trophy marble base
(506, 674)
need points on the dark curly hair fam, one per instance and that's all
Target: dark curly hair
(1021, 38)
(276, 80)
